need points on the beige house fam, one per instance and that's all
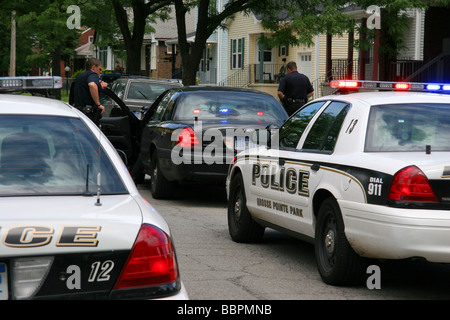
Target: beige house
(245, 69)
(333, 54)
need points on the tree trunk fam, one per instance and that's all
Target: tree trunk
(133, 49)
(133, 41)
(191, 54)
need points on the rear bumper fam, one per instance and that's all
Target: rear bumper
(181, 295)
(197, 168)
(394, 233)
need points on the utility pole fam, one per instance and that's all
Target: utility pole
(12, 59)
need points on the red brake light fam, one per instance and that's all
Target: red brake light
(260, 113)
(152, 260)
(187, 138)
(411, 184)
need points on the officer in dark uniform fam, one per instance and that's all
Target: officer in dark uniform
(87, 89)
(295, 89)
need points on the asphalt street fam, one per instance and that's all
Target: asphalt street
(213, 267)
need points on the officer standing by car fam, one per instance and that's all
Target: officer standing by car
(295, 89)
(87, 90)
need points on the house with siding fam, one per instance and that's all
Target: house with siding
(328, 58)
(246, 53)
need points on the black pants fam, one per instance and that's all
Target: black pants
(92, 113)
(292, 107)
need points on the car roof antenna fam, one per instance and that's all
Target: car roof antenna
(98, 203)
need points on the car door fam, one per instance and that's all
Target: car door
(156, 134)
(275, 170)
(120, 125)
(306, 164)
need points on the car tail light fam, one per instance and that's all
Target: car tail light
(152, 261)
(187, 138)
(411, 184)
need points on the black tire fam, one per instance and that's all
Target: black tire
(241, 226)
(160, 187)
(336, 260)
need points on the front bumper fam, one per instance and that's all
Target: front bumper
(394, 233)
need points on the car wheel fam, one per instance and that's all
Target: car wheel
(337, 262)
(241, 226)
(160, 187)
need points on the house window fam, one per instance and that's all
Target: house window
(283, 51)
(237, 53)
(305, 58)
(170, 49)
(103, 56)
(267, 54)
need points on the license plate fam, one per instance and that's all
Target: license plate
(3, 282)
(245, 143)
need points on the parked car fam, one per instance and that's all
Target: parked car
(362, 175)
(139, 93)
(72, 223)
(191, 134)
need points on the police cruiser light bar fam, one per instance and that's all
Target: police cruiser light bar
(386, 85)
(44, 82)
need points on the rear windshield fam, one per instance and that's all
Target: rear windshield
(408, 127)
(236, 106)
(146, 90)
(46, 155)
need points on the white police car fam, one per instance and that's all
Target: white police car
(72, 223)
(365, 174)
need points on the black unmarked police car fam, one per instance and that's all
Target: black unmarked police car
(361, 175)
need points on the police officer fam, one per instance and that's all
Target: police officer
(87, 89)
(294, 89)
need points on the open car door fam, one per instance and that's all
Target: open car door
(120, 125)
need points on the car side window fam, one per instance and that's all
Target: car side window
(162, 107)
(119, 88)
(293, 128)
(112, 108)
(325, 130)
(170, 107)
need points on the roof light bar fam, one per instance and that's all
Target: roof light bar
(22, 83)
(386, 85)
(344, 84)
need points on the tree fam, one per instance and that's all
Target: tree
(302, 20)
(43, 25)
(133, 25)
(209, 19)
(23, 45)
(52, 38)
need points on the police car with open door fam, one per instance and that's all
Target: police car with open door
(361, 175)
(72, 223)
